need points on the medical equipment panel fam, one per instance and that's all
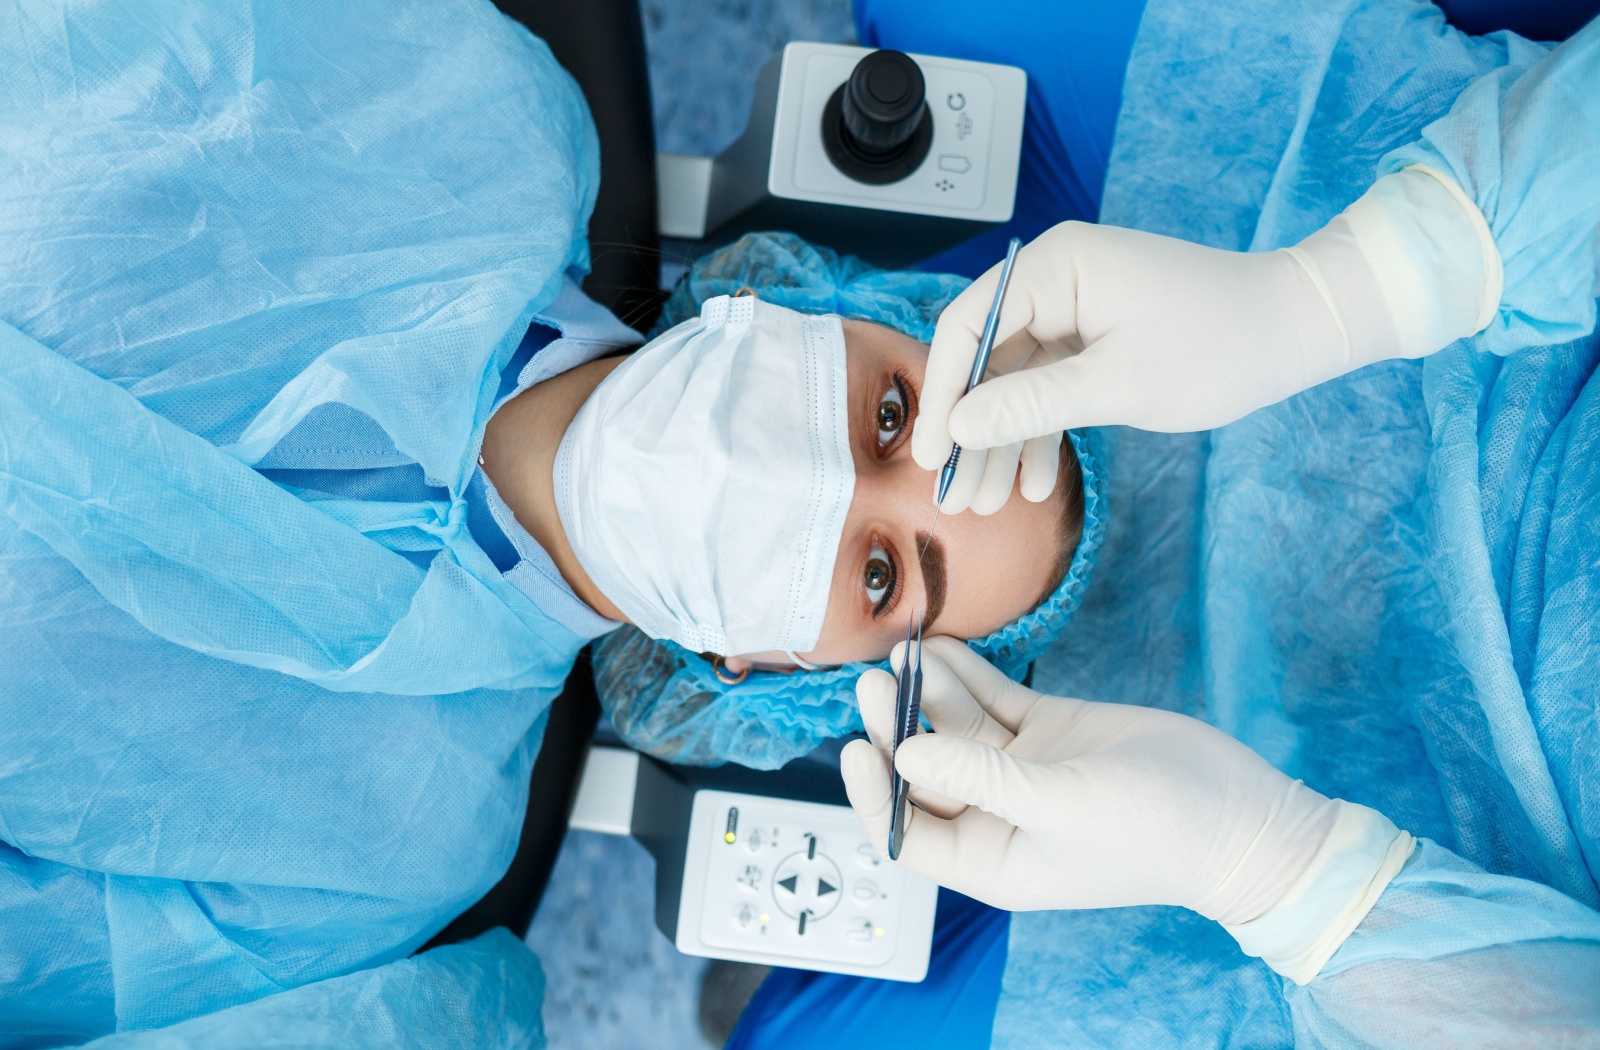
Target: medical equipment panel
(887, 155)
(790, 883)
(761, 878)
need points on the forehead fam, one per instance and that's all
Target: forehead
(871, 348)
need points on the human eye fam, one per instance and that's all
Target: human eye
(879, 577)
(893, 412)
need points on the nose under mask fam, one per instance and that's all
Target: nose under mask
(704, 484)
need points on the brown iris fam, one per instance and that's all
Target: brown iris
(891, 414)
(877, 575)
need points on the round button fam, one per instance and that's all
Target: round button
(745, 916)
(864, 890)
(755, 840)
(750, 878)
(805, 883)
(867, 857)
(859, 930)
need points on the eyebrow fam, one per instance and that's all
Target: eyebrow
(932, 560)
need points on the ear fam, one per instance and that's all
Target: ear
(776, 663)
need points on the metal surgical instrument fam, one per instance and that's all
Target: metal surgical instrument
(907, 714)
(980, 363)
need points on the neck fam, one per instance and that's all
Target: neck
(519, 455)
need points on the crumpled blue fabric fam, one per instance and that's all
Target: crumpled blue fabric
(484, 993)
(1387, 585)
(247, 741)
(667, 701)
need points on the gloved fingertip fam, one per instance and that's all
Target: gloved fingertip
(859, 761)
(874, 683)
(1037, 485)
(922, 756)
(973, 424)
(930, 449)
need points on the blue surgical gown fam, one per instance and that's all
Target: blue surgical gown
(259, 729)
(1388, 585)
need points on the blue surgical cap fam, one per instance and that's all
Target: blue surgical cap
(666, 700)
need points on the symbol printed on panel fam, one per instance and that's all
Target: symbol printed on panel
(750, 877)
(807, 883)
(963, 127)
(945, 185)
(956, 100)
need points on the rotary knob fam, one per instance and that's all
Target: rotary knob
(876, 127)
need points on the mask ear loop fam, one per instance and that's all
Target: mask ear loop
(719, 667)
(801, 662)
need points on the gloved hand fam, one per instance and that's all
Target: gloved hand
(1103, 325)
(1033, 801)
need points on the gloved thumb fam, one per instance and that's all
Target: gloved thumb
(975, 773)
(866, 783)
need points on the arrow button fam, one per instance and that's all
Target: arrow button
(824, 887)
(789, 883)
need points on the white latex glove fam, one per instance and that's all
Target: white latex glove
(1103, 325)
(1033, 801)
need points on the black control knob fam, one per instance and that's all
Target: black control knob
(877, 128)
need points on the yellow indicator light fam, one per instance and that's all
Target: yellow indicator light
(729, 837)
(878, 932)
(765, 917)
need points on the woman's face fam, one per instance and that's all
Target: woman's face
(977, 575)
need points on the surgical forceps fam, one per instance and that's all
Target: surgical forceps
(907, 715)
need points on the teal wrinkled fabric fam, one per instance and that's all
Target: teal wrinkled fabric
(484, 993)
(1388, 585)
(668, 701)
(248, 743)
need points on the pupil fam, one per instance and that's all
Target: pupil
(889, 416)
(877, 574)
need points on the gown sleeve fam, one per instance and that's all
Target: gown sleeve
(1523, 143)
(1452, 955)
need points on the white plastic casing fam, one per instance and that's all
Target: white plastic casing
(743, 899)
(971, 170)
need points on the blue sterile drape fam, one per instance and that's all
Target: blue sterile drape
(250, 740)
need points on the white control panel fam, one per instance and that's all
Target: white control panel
(970, 171)
(796, 884)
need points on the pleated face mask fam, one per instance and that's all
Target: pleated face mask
(704, 484)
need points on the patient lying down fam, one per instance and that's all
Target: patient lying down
(744, 485)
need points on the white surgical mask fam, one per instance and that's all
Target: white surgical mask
(704, 484)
